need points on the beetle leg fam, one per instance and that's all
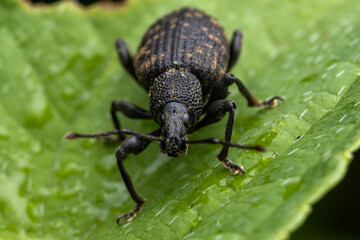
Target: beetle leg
(128, 109)
(252, 101)
(235, 48)
(214, 114)
(125, 57)
(133, 145)
(221, 92)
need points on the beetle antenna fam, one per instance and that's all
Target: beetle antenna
(125, 131)
(230, 144)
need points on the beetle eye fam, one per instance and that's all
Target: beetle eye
(186, 119)
(161, 119)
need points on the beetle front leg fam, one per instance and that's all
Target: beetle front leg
(133, 145)
(215, 113)
(128, 109)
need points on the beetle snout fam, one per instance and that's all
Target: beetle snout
(173, 146)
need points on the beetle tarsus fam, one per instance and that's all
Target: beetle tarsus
(272, 102)
(129, 216)
(233, 167)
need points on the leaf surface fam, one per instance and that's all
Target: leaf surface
(59, 72)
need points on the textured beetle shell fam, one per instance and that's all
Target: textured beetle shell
(188, 40)
(176, 86)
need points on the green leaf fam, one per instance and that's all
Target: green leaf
(59, 73)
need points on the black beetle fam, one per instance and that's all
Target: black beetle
(183, 62)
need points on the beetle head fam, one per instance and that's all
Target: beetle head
(174, 119)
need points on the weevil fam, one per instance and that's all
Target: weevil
(183, 62)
